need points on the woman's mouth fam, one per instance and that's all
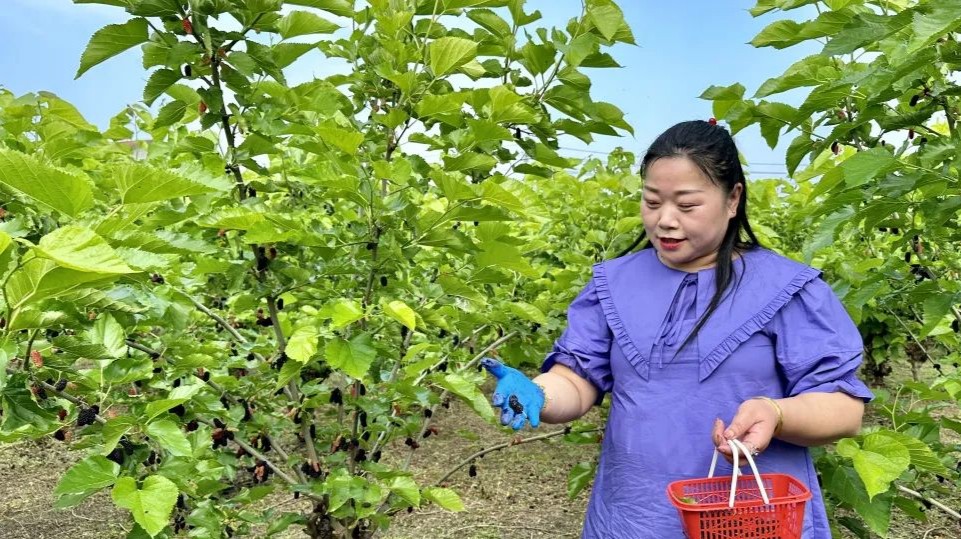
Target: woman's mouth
(670, 244)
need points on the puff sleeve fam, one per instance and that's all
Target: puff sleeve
(817, 345)
(585, 345)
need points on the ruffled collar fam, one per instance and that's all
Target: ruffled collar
(636, 293)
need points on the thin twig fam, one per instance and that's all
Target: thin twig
(512, 442)
(217, 318)
(145, 349)
(932, 501)
(47, 387)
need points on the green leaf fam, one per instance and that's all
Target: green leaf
(170, 114)
(864, 166)
(110, 41)
(41, 278)
(879, 461)
(138, 183)
(444, 497)
(343, 8)
(84, 478)
(108, 332)
(468, 391)
(176, 397)
(302, 344)
(527, 311)
(944, 17)
(42, 183)
(844, 484)
(79, 248)
(607, 17)
(449, 53)
(469, 161)
(505, 256)
(113, 430)
(724, 97)
(342, 313)
(398, 310)
(353, 357)
(158, 83)
(579, 477)
(405, 487)
(810, 71)
(170, 437)
(922, 456)
(300, 23)
(935, 309)
(151, 505)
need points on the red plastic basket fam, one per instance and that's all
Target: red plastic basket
(705, 511)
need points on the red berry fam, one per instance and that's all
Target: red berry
(911, 134)
(202, 107)
(188, 27)
(36, 358)
(712, 121)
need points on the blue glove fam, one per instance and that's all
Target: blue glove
(518, 397)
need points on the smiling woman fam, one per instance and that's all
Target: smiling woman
(700, 325)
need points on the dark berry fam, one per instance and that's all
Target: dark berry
(472, 471)
(251, 356)
(280, 304)
(336, 397)
(265, 322)
(428, 412)
(116, 455)
(59, 435)
(835, 147)
(360, 456)
(911, 134)
(178, 410)
(914, 100)
(383, 280)
(192, 425)
(86, 417)
(376, 456)
(61, 385)
(187, 70)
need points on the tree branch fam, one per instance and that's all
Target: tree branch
(933, 502)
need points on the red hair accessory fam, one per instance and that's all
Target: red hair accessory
(712, 121)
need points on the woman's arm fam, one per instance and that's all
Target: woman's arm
(820, 418)
(807, 419)
(567, 395)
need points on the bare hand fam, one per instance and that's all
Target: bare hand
(753, 425)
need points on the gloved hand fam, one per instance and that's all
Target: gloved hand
(518, 397)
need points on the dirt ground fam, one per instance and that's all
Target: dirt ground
(518, 493)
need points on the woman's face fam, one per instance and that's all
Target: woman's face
(685, 214)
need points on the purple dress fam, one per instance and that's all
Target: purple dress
(781, 333)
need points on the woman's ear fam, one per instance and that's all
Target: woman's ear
(733, 199)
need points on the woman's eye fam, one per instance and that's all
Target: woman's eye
(652, 203)
(687, 206)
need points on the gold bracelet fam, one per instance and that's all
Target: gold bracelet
(777, 409)
(547, 398)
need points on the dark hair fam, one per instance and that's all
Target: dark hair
(711, 148)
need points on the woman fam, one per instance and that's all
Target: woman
(702, 325)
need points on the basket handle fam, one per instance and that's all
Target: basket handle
(736, 448)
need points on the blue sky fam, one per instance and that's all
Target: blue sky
(682, 48)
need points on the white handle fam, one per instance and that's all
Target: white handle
(736, 448)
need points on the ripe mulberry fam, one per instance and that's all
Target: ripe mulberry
(336, 397)
(61, 384)
(472, 471)
(86, 416)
